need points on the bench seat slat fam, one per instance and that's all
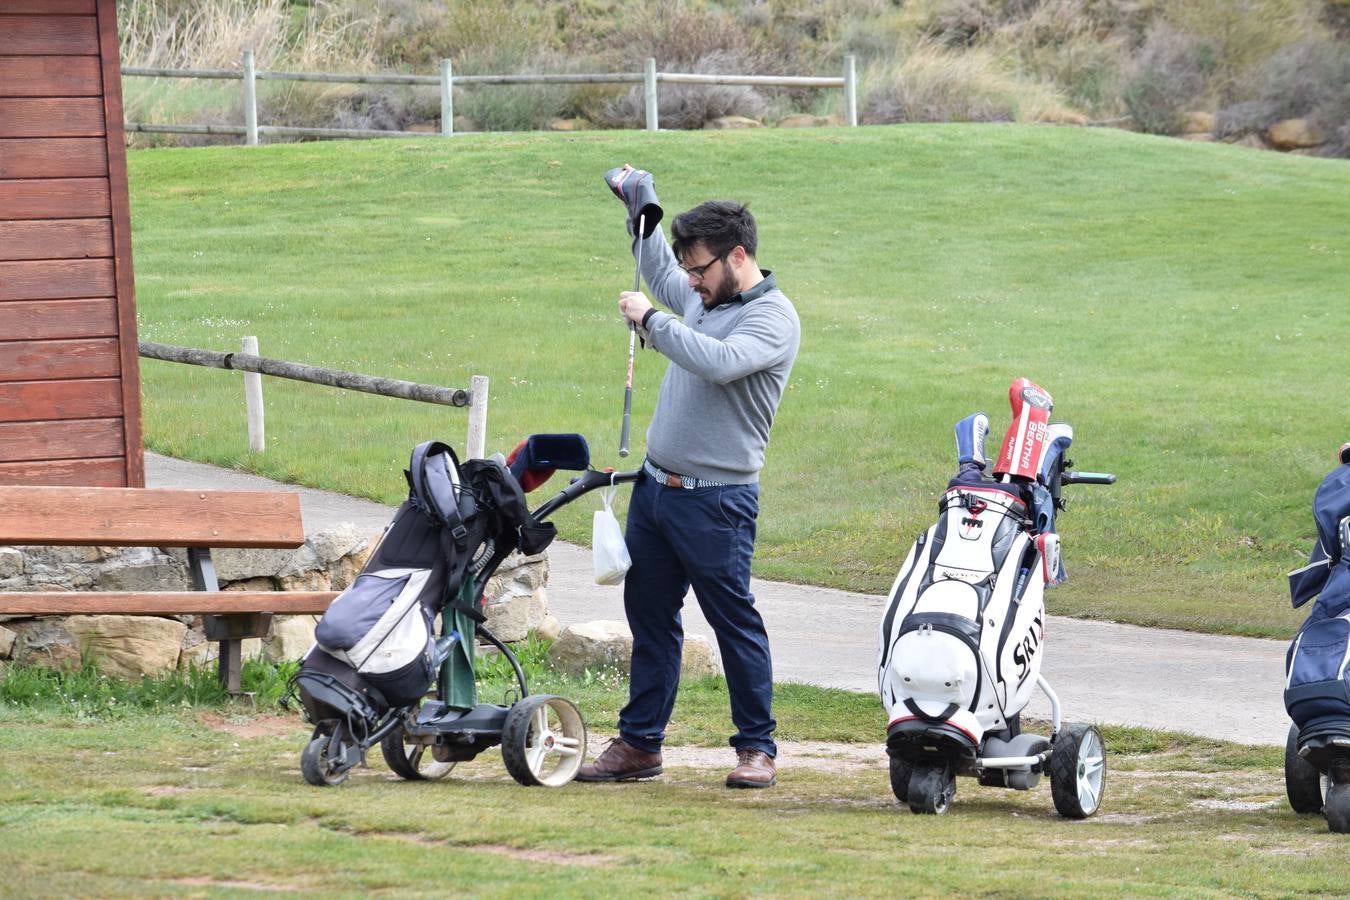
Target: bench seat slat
(149, 517)
(163, 603)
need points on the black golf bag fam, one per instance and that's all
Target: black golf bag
(376, 647)
(1317, 686)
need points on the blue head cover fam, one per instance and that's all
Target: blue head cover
(970, 434)
(1328, 569)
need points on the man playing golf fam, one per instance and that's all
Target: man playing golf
(731, 340)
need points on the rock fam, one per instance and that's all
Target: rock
(290, 638)
(1197, 122)
(334, 543)
(7, 641)
(549, 629)
(143, 569)
(45, 642)
(592, 645)
(732, 122)
(249, 584)
(129, 646)
(11, 562)
(1294, 134)
(515, 617)
(311, 580)
(609, 644)
(1254, 141)
(237, 564)
(805, 120)
(576, 124)
(699, 659)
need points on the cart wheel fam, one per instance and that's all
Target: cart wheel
(1338, 808)
(901, 772)
(931, 789)
(1077, 771)
(412, 761)
(543, 741)
(316, 767)
(1302, 781)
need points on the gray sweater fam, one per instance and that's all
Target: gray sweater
(729, 367)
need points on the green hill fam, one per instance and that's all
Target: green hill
(1184, 303)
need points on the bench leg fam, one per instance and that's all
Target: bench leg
(231, 664)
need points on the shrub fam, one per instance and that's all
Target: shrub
(1169, 74)
(936, 84)
(1242, 34)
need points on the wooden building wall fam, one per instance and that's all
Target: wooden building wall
(69, 374)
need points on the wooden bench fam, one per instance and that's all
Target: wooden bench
(154, 517)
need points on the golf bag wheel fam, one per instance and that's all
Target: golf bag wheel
(1338, 808)
(315, 765)
(931, 789)
(1302, 781)
(543, 741)
(1077, 771)
(901, 772)
(412, 761)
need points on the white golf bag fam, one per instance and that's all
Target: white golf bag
(963, 632)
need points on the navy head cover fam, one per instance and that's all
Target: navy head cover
(1328, 569)
(539, 455)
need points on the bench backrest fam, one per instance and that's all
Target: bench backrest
(149, 517)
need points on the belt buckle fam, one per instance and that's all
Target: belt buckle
(674, 481)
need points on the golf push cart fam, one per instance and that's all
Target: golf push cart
(380, 673)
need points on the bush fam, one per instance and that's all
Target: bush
(1169, 75)
(937, 84)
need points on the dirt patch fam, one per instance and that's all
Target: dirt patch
(531, 854)
(251, 726)
(815, 755)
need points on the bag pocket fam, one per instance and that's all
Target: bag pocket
(356, 610)
(1316, 686)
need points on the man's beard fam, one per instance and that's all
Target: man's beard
(724, 290)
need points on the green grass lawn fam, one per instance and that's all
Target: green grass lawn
(1184, 303)
(211, 802)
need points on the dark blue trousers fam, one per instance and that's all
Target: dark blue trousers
(704, 538)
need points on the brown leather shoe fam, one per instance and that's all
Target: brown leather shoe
(621, 761)
(754, 769)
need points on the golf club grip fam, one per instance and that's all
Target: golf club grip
(1088, 478)
(627, 421)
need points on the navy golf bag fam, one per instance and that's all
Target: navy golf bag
(1317, 666)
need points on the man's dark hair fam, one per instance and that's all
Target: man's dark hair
(721, 225)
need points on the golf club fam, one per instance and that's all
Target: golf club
(632, 346)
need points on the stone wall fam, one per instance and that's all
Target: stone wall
(132, 646)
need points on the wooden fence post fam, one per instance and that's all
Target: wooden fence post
(649, 94)
(476, 444)
(253, 399)
(447, 100)
(250, 99)
(851, 90)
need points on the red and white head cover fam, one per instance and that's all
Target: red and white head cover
(1024, 442)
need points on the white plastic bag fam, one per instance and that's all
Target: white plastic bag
(609, 552)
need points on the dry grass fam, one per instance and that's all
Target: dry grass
(933, 83)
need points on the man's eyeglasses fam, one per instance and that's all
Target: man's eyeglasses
(699, 271)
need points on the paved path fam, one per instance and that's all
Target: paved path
(1222, 687)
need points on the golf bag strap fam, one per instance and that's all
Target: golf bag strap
(450, 517)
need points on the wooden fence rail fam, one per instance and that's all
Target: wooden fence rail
(447, 81)
(475, 397)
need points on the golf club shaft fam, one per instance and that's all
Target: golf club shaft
(632, 344)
